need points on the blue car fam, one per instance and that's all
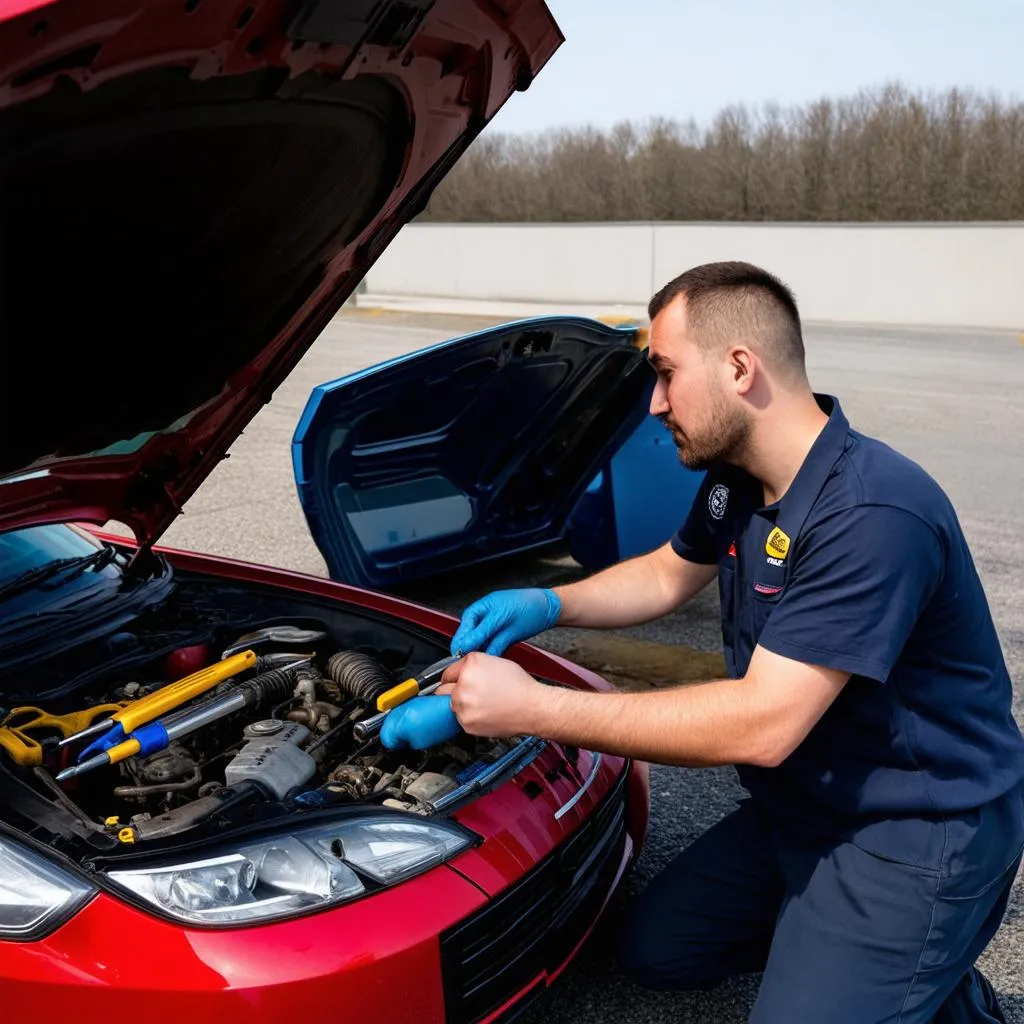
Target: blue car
(488, 445)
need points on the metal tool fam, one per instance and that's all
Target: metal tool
(370, 727)
(145, 709)
(409, 688)
(276, 637)
(154, 736)
(391, 699)
(20, 722)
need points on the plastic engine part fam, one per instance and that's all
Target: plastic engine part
(429, 786)
(272, 758)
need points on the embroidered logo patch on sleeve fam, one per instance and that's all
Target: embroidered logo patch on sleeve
(718, 499)
(777, 544)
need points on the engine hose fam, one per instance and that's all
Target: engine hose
(161, 787)
(274, 685)
(265, 662)
(359, 675)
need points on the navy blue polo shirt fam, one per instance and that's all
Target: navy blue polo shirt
(862, 566)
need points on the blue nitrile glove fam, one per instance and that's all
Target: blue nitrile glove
(497, 621)
(419, 723)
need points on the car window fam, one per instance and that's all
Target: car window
(35, 546)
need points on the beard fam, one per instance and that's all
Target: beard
(722, 435)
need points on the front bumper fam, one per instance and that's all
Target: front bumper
(527, 933)
(377, 960)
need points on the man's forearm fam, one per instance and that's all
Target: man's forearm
(706, 724)
(632, 592)
(759, 719)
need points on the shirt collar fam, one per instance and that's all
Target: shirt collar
(794, 506)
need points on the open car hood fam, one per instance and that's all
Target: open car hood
(466, 451)
(190, 190)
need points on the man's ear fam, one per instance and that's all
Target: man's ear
(741, 368)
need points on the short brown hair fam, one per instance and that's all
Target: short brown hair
(730, 299)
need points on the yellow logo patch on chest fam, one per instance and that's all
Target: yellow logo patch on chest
(777, 544)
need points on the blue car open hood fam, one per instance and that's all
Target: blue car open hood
(466, 451)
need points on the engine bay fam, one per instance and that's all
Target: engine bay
(288, 733)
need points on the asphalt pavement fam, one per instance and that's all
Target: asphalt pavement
(949, 400)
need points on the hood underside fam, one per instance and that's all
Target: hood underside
(188, 195)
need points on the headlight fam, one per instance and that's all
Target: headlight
(35, 895)
(390, 850)
(316, 867)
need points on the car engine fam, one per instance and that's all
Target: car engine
(279, 737)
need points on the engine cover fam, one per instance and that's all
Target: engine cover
(272, 757)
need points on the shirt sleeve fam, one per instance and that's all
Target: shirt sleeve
(857, 589)
(693, 540)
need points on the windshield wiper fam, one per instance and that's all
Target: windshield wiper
(73, 566)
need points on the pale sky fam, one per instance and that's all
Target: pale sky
(689, 58)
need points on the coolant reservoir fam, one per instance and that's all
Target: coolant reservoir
(272, 757)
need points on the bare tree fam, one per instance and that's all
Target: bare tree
(884, 154)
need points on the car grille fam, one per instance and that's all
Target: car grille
(535, 924)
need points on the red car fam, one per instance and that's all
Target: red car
(190, 191)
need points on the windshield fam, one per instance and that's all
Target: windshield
(36, 546)
(24, 553)
(62, 591)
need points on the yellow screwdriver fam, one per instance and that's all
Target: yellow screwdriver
(410, 688)
(145, 709)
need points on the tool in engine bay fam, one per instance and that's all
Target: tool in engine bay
(155, 736)
(390, 699)
(409, 688)
(276, 637)
(25, 749)
(145, 709)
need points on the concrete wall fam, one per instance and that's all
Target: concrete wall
(912, 274)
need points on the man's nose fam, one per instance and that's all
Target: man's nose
(659, 399)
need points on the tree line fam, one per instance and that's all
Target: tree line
(887, 154)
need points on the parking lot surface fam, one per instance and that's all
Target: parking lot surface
(949, 400)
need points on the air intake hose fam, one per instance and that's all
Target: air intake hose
(359, 675)
(268, 687)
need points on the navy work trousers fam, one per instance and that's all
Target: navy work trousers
(843, 936)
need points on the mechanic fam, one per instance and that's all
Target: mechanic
(867, 709)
